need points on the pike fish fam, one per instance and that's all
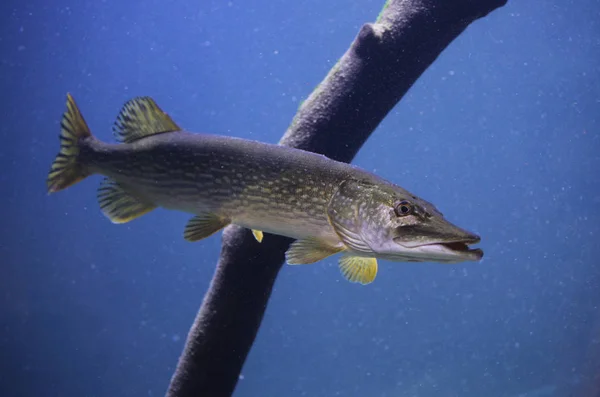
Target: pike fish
(328, 207)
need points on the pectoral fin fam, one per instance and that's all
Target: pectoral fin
(202, 226)
(358, 269)
(309, 250)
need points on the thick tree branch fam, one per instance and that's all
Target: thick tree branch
(383, 62)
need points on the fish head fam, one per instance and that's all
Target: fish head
(388, 222)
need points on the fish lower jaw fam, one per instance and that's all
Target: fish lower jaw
(454, 252)
(448, 253)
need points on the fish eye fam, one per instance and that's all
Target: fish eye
(403, 208)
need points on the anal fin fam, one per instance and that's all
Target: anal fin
(309, 250)
(118, 205)
(358, 269)
(204, 225)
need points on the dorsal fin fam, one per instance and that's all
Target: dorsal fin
(141, 117)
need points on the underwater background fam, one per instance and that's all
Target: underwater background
(501, 133)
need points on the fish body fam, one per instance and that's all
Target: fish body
(328, 206)
(267, 187)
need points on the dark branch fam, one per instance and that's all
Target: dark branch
(383, 62)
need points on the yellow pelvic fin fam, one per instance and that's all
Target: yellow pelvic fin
(118, 205)
(141, 117)
(258, 235)
(204, 225)
(66, 169)
(358, 269)
(309, 250)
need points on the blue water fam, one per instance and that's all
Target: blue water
(501, 133)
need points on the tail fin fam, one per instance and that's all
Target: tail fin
(66, 169)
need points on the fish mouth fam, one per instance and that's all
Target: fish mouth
(462, 248)
(456, 250)
(447, 251)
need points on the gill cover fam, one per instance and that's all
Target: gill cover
(347, 212)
